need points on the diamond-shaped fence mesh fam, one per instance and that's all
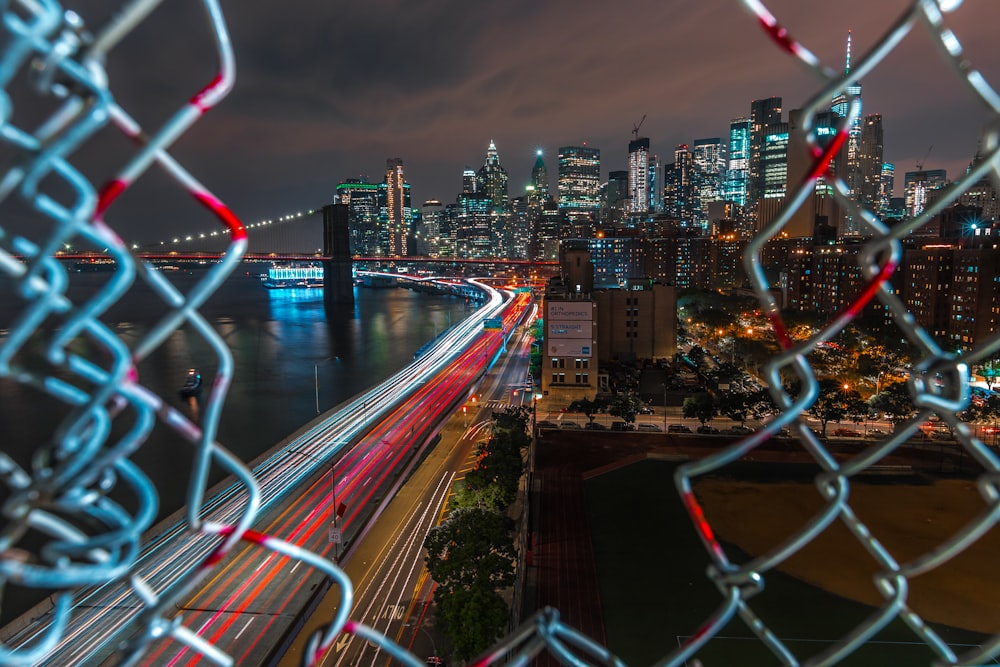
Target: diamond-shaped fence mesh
(63, 528)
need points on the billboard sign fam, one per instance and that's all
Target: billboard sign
(570, 347)
(571, 311)
(571, 329)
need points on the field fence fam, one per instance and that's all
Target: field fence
(63, 530)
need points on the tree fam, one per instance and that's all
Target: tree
(895, 402)
(830, 405)
(472, 548)
(700, 406)
(875, 363)
(588, 407)
(471, 556)
(626, 406)
(857, 408)
(473, 618)
(735, 405)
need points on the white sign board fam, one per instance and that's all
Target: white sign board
(570, 310)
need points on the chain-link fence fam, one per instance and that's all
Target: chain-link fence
(63, 529)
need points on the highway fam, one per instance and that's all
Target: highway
(250, 599)
(392, 589)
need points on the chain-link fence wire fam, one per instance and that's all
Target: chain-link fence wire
(61, 505)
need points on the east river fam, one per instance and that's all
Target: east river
(290, 352)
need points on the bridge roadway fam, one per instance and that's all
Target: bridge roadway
(252, 600)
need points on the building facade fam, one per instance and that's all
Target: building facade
(579, 183)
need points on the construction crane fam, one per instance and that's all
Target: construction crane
(920, 165)
(635, 128)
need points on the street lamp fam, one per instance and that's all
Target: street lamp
(664, 407)
(429, 636)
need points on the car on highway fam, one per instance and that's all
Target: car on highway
(649, 428)
(678, 428)
(645, 410)
(844, 432)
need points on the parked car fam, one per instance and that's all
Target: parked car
(843, 432)
(678, 428)
(875, 433)
(707, 428)
(649, 428)
(741, 430)
(622, 426)
(942, 435)
(570, 425)
(545, 423)
(595, 426)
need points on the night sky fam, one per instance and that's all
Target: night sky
(329, 90)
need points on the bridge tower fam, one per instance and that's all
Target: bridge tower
(337, 279)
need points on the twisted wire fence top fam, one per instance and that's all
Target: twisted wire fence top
(63, 501)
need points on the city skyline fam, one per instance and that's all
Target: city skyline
(327, 93)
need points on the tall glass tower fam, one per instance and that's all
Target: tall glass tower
(735, 189)
(397, 209)
(638, 175)
(492, 179)
(540, 179)
(710, 170)
(763, 114)
(579, 181)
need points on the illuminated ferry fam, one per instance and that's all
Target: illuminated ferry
(286, 277)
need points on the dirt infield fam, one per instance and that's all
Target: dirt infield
(909, 519)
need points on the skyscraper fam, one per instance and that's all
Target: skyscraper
(432, 214)
(763, 113)
(579, 182)
(638, 175)
(917, 186)
(870, 162)
(680, 198)
(492, 179)
(397, 209)
(851, 170)
(887, 184)
(362, 200)
(739, 161)
(822, 208)
(469, 181)
(709, 157)
(655, 184)
(540, 179)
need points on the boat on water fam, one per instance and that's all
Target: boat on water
(192, 384)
